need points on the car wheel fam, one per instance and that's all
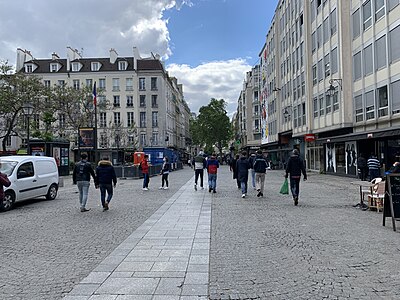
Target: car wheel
(52, 193)
(8, 201)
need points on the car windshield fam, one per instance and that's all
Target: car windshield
(7, 166)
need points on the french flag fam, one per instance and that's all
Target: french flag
(94, 95)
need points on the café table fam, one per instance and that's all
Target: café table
(363, 184)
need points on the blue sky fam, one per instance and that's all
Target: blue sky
(208, 45)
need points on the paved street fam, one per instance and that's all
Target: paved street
(259, 248)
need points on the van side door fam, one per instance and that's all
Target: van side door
(26, 181)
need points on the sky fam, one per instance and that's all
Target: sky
(208, 45)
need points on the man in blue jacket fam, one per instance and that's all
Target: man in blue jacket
(106, 180)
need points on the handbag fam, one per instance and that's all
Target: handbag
(285, 187)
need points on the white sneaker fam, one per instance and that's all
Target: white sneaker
(166, 188)
(243, 195)
(145, 189)
(160, 188)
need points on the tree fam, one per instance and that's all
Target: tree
(212, 127)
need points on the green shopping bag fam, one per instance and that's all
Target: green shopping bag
(285, 187)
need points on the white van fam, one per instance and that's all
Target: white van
(30, 176)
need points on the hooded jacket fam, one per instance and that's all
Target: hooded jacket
(105, 173)
(295, 167)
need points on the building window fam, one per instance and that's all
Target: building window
(143, 139)
(115, 84)
(61, 120)
(335, 101)
(142, 119)
(116, 102)
(28, 68)
(359, 108)
(357, 66)
(101, 100)
(142, 101)
(154, 83)
(154, 103)
(328, 103)
(356, 24)
(89, 83)
(380, 53)
(129, 84)
(314, 74)
(394, 96)
(368, 60)
(103, 119)
(47, 83)
(95, 66)
(129, 101)
(76, 84)
(394, 42)
(319, 36)
(129, 116)
(334, 60)
(303, 85)
(315, 107)
(154, 119)
(103, 140)
(382, 97)
(326, 30)
(75, 67)
(321, 105)
(393, 3)
(304, 112)
(369, 105)
(102, 83)
(320, 70)
(117, 119)
(333, 22)
(122, 65)
(379, 9)
(142, 85)
(295, 117)
(53, 68)
(367, 15)
(61, 83)
(327, 66)
(154, 139)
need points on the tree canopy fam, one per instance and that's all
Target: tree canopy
(212, 127)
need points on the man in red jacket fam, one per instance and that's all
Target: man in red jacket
(145, 171)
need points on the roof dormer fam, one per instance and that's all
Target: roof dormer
(95, 66)
(30, 67)
(76, 66)
(55, 67)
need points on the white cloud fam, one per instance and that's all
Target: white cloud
(217, 79)
(44, 26)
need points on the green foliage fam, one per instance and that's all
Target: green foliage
(212, 126)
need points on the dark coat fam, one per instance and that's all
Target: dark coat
(3, 182)
(233, 168)
(260, 164)
(243, 166)
(105, 173)
(295, 167)
(82, 172)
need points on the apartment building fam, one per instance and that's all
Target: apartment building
(329, 83)
(147, 108)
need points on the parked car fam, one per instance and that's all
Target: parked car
(31, 177)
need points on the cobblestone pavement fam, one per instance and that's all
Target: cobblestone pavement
(47, 247)
(266, 248)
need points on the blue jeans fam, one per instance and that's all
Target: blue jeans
(373, 173)
(253, 177)
(105, 187)
(212, 181)
(83, 187)
(295, 186)
(243, 185)
(146, 180)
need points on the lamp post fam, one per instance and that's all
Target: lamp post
(27, 110)
(332, 89)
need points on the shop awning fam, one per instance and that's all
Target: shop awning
(372, 134)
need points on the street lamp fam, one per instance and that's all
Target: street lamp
(27, 110)
(332, 89)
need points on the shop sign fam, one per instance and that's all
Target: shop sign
(309, 137)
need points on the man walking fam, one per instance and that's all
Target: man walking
(106, 180)
(81, 177)
(362, 166)
(243, 166)
(260, 168)
(252, 158)
(295, 167)
(199, 164)
(144, 166)
(374, 167)
(212, 168)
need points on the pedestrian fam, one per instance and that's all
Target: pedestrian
(252, 172)
(295, 167)
(233, 169)
(212, 168)
(362, 166)
(374, 167)
(144, 166)
(81, 177)
(106, 180)
(164, 173)
(199, 164)
(243, 166)
(260, 168)
(4, 182)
